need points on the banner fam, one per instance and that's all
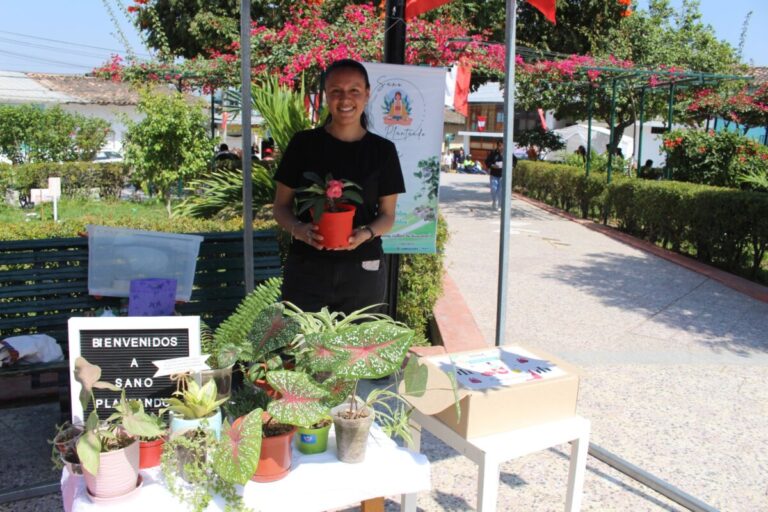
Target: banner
(406, 107)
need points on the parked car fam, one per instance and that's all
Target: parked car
(108, 156)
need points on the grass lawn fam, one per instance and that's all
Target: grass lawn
(70, 209)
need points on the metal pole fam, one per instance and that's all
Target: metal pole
(245, 95)
(394, 53)
(642, 121)
(612, 143)
(589, 126)
(765, 137)
(507, 170)
(670, 491)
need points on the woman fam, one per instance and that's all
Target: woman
(353, 277)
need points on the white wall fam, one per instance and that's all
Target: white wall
(111, 113)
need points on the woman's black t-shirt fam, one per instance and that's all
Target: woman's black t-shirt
(371, 162)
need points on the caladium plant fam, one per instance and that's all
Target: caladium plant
(237, 453)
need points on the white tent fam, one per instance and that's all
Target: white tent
(576, 135)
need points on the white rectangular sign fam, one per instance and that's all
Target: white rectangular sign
(406, 107)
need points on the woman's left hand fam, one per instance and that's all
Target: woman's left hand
(359, 237)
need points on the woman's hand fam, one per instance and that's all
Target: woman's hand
(359, 236)
(307, 233)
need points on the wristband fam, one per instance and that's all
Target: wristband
(368, 228)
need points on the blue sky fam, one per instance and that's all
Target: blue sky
(74, 37)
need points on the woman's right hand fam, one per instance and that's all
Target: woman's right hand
(307, 233)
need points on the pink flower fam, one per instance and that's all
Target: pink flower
(334, 189)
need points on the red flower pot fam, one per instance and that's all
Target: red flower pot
(336, 227)
(150, 453)
(275, 458)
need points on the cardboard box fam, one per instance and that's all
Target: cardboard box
(500, 389)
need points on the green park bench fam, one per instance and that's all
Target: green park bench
(43, 283)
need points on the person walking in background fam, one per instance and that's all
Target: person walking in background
(494, 162)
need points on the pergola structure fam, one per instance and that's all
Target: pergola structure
(671, 81)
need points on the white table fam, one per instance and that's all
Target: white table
(488, 452)
(315, 483)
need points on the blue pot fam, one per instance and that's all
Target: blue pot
(179, 424)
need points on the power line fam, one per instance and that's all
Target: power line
(68, 42)
(49, 47)
(47, 61)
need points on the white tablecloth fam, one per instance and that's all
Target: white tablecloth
(315, 483)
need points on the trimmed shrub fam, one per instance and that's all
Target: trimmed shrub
(420, 285)
(77, 178)
(73, 228)
(713, 158)
(722, 226)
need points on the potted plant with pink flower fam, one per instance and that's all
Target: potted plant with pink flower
(328, 201)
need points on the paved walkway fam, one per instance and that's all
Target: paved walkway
(675, 364)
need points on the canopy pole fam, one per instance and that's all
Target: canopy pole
(589, 126)
(642, 121)
(508, 168)
(612, 143)
(245, 94)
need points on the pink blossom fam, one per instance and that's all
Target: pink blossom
(334, 189)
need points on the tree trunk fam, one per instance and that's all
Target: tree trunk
(168, 203)
(618, 133)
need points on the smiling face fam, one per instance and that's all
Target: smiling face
(347, 96)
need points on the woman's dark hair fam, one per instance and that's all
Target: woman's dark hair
(346, 64)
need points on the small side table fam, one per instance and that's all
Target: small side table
(488, 452)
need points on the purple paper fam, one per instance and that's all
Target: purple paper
(152, 297)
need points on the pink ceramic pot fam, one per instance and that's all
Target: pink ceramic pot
(118, 473)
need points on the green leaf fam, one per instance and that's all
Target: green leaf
(415, 377)
(237, 453)
(142, 425)
(352, 196)
(271, 331)
(374, 349)
(302, 400)
(314, 177)
(88, 450)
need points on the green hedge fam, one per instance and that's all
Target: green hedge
(72, 228)
(720, 226)
(421, 284)
(77, 178)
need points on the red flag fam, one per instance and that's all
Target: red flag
(415, 7)
(546, 7)
(461, 95)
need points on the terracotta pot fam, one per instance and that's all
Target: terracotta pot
(118, 473)
(336, 227)
(150, 453)
(275, 458)
(351, 434)
(269, 390)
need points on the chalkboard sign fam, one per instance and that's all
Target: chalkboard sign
(124, 348)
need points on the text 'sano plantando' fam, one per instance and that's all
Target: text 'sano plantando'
(123, 427)
(326, 194)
